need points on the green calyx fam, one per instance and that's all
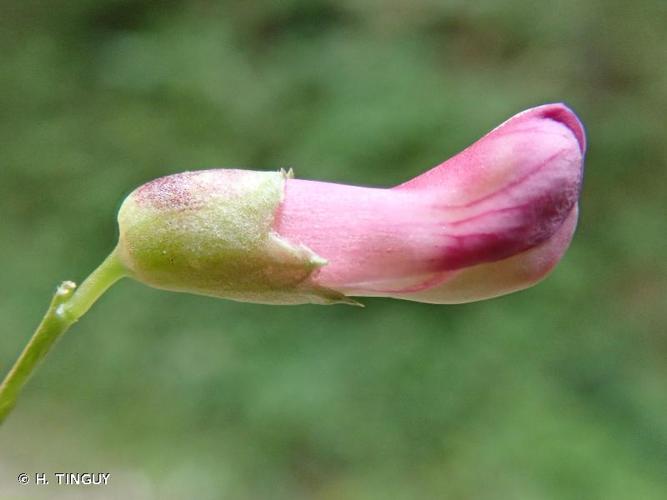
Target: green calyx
(210, 232)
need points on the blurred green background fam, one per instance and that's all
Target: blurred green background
(558, 392)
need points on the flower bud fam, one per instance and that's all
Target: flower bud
(491, 220)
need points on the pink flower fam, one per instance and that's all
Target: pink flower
(493, 219)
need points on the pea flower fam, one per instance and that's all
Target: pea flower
(493, 219)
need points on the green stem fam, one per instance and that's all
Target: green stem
(67, 306)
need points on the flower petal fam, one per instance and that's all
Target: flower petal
(514, 190)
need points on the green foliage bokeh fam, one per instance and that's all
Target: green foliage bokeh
(557, 392)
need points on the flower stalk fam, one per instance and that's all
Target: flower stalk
(68, 304)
